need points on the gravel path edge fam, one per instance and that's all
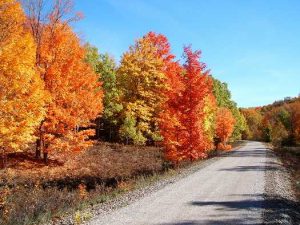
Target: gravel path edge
(281, 205)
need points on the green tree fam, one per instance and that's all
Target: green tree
(104, 65)
(223, 98)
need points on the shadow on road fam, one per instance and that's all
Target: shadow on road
(257, 152)
(251, 168)
(213, 222)
(276, 211)
(232, 205)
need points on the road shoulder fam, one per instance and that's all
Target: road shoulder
(281, 206)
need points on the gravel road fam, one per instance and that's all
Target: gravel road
(230, 190)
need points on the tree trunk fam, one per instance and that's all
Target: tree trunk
(39, 143)
(38, 149)
(4, 159)
(110, 131)
(45, 152)
(45, 157)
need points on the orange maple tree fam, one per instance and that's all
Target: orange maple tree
(197, 85)
(187, 117)
(224, 127)
(76, 95)
(182, 124)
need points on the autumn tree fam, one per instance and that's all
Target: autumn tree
(169, 117)
(47, 12)
(75, 91)
(275, 118)
(254, 120)
(197, 86)
(266, 127)
(141, 82)
(171, 122)
(210, 110)
(21, 91)
(295, 116)
(224, 127)
(76, 94)
(278, 133)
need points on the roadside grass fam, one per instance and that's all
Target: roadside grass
(34, 193)
(290, 157)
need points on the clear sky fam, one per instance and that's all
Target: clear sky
(253, 45)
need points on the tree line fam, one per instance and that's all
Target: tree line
(278, 123)
(56, 91)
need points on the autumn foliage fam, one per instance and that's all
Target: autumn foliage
(55, 83)
(75, 94)
(224, 127)
(74, 88)
(59, 95)
(196, 87)
(182, 123)
(22, 95)
(278, 123)
(141, 82)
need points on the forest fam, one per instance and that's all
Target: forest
(77, 125)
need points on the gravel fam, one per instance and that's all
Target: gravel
(133, 196)
(281, 206)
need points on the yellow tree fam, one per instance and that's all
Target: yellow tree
(21, 90)
(210, 110)
(141, 82)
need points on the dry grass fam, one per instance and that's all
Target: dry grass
(31, 192)
(100, 164)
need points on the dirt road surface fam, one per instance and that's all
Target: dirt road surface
(231, 190)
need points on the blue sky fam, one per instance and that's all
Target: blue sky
(253, 45)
